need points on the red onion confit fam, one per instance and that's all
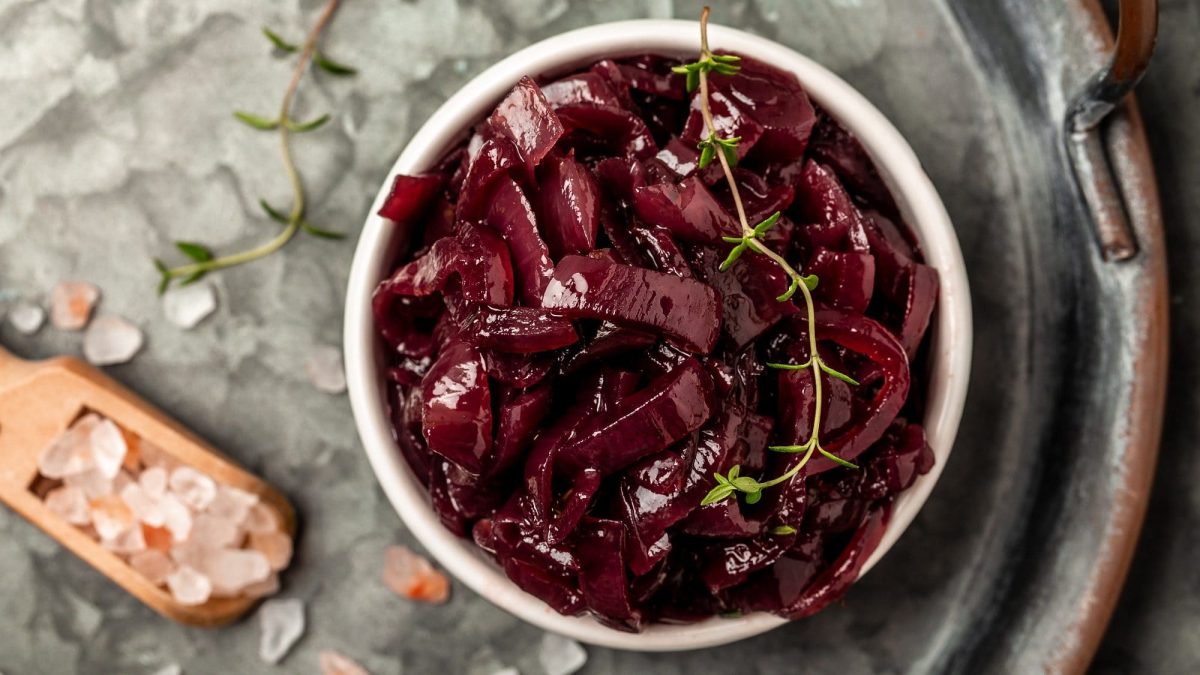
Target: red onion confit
(568, 366)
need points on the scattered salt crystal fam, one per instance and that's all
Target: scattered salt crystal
(128, 541)
(145, 508)
(71, 304)
(154, 482)
(189, 586)
(509, 670)
(324, 368)
(71, 453)
(261, 519)
(334, 663)
(170, 669)
(275, 546)
(70, 504)
(152, 564)
(187, 306)
(411, 576)
(176, 517)
(560, 656)
(111, 516)
(231, 570)
(282, 624)
(189, 553)
(110, 340)
(192, 487)
(232, 504)
(261, 589)
(108, 447)
(209, 531)
(26, 317)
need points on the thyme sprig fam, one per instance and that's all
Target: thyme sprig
(724, 150)
(203, 260)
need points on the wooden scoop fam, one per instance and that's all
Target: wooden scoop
(38, 401)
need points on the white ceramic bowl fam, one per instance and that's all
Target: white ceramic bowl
(897, 164)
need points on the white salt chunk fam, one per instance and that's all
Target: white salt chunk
(145, 508)
(282, 624)
(325, 370)
(93, 483)
(108, 447)
(261, 519)
(560, 656)
(132, 540)
(110, 340)
(26, 317)
(187, 306)
(154, 482)
(71, 453)
(334, 663)
(71, 304)
(506, 671)
(212, 532)
(232, 504)
(70, 504)
(110, 516)
(188, 586)
(152, 564)
(176, 517)
(231, 570)
(169, 669)
(192, 487)
(275, 546)
(151, 455)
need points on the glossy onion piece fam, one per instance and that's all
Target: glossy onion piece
(601, 546)
(835, 147)
(569, 206)
(479, 258)
(729, 118)
(847, 279)
(688, 210)
(622, 130)
(585, 88)
(836, 222)
(920, 283)
(457, 415)
(526, 118)
(652, 75)
(410, 197)
(682, 308)
(523, 330)
(518, 422)
(672, 405)
(512, 216)
(777, 102)
(748, 292)
(497, 157)
(835, 580)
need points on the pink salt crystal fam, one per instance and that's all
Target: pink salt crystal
(152, 564)
(155, 457)
(176, 517)
(110, 516)
(232, 503)
(159, 538)
(276, 546)
(192, 487)
(261, 519)
(188, 553)
(93, 483)
(145, 508)
(212, 532)
(261, 589)
(333, 663)
(70, 504)
(71, 304)
(27, 318)
(129, 541)
(325, 371)
(231, 570)
(154, 481)
(108, 447)
(70, 454)
(188, 586)
(411, 576)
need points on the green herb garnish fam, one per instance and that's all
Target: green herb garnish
(724, 150)
(202, 259)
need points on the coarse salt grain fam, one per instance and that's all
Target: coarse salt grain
(145, 508)
(111, 340)
(108, 447)
(176, 517)
(232, 504)
(192, 487)
(26, 317)
(154, 481)
(334, 663)
(412, 576)
(187, 306)
(71, 304)
(110, 516)
(282, 623)
(560, 656)
(152, 564)
(213, 532)
(70, 504)
(188, 586)
(71, 453)
(231, 570)
(325, 371)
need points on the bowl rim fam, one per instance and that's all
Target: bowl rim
(897, 164)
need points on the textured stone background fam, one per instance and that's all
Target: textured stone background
(116, 138)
